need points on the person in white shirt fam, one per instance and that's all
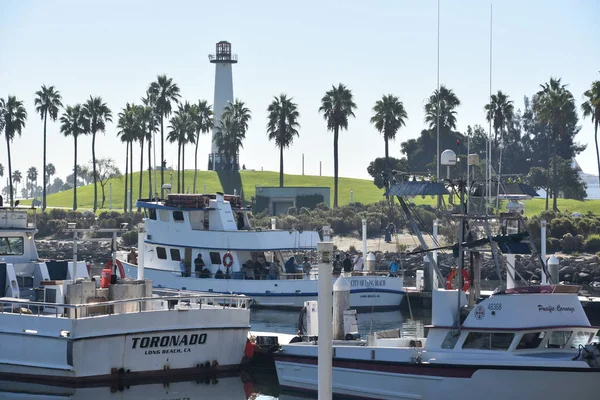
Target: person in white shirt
(358, 263)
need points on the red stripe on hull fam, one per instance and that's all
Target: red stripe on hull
(453, 371)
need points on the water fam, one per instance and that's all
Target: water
(255, 385)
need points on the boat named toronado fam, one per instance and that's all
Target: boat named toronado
(58, 326)
(206, 243)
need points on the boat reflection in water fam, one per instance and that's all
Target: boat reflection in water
(230, 388)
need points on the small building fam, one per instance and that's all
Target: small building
(279, 199)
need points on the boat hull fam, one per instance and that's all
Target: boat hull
(389, 380)
(367, 292)
(120, 347)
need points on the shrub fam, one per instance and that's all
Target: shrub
(129, 239)
(570, 243)
(260, 204)
(292, 211)
(592, 243)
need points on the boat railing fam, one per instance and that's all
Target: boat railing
(175, 300)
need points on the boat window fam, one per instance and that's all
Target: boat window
(152, 213)
(581, 339)
(164, 215)
(215, 258)
(558, 339)
(177, 215)
(531, 340)
(161, 253)
(11, 246)
(488, 341)
(450, 340)
(175, 255)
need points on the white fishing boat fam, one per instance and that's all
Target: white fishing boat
(524, 343)
(218, 228)
(82, 331)
(529, 342)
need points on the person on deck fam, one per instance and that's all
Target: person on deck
(306, 266)
(198, 265)
(358, 263)
(240, 221)
(337, 266)
(290, 265)
(394, 267)
(183, 268)
(347, 263)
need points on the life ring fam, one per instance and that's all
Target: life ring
(227, 260)
(109, 265)
(466, 279)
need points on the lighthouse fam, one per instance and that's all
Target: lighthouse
(223, 60)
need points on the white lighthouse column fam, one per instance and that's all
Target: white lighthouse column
(223, 60)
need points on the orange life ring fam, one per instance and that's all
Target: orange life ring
(109, 265)
(227, 260)
(466, 279)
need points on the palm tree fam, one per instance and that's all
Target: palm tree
(282, 126)
(1, 170)
(16, 178)
(148, 122)
(128, 131)
(591, 108)
(47, 103)
(225, 138)
(147, 126)
(500, 112)
(202, 116)
(337, 107)
(32, 175)
(555, 106)
(165, 92)
(13, 117)
(97, 114)
(73, 123)
(390, 115)
(50, 171)
(239, 115)
(448, 101)
(181, 131)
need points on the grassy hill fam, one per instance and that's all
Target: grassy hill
(364, 190)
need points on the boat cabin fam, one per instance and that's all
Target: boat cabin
(210, 236)
(545, 318)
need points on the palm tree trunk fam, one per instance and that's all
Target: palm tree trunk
(548, 174)
(387, 162)
(150, 166)
(141, 167)
(75, 177)
(554, 173)
(336, 132)
(597, 153)
(44, 189)
(280, 166)
(10, 184)
(179, 167)
(183, 167)
(94, 171)
(131, 173)
(162, 157)
(196, 160)
(126, 177)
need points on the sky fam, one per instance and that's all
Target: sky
(115, 49)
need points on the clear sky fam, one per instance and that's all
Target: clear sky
(116, 48)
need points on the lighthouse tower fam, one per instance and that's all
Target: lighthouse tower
(223, 60)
